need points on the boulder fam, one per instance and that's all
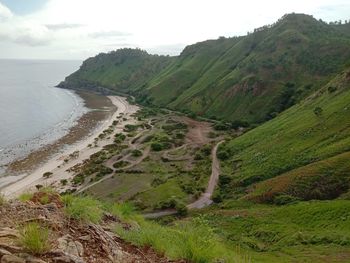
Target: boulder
(12, 259)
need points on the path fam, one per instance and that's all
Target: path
(205, 199)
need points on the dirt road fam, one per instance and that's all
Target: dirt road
(205, 198)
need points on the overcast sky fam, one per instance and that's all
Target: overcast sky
(77, 29)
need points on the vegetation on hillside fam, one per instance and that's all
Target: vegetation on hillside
(250, 78)
(306, 152)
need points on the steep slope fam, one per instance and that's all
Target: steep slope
(123, 70)
(305, 150)
(250, 78)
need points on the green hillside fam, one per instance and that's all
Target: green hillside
(250, 78)
(123, 71)
(305, 150)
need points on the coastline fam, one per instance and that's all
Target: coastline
(56, 163)
(100, 108)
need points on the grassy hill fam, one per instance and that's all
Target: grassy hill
(123, 70)
(303, 153)
(250, 78)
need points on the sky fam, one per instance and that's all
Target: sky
(77, 29)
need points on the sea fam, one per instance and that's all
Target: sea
(33, 112)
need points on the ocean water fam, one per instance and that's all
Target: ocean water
(32, 111)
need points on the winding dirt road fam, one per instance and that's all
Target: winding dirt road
(205, 198)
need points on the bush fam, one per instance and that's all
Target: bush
(136, 153)
(156, 146)
(221, 126)
(318, 111)
(64, 182)
(34, 238)
(47, 174)
(120, 164)
(223, 155)
(83, 208)
(332, 89)
(181, 209)
(238, 124)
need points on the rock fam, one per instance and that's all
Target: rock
(68, 259)
(85, 238)
(4, 252)
(70, 247)
(12, 259)
(29, 258)
(35, 260)
(8, 232)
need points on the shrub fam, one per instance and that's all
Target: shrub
(156, 146)
(238, 123)
(130, 128)
(34, 238)
(120, 164)
(221, 126)
(47, 174)
(136, 153)
(223, 155)
(83, 208)
(332, 89)
(318, 111)
(181, 209)
(64, 182)
(198, 156)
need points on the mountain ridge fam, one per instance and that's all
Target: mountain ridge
(250, 78)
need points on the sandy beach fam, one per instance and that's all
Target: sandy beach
(59, 164)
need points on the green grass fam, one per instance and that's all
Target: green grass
(86, 209)
(24, 197)
(249, 78)
(294, 139)
(193, 241)
(34, 238)
(315, 231)
(2, 200)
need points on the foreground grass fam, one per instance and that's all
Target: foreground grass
(194, 241)
(34, 238)
(86, 209)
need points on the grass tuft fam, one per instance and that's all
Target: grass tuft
(34, 238)
(24, 197)
(83, 208)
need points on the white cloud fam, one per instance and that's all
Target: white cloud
(21, 30)
(80, 28)
(5, 13)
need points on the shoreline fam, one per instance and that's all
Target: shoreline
(56, 163)
(98, 109)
